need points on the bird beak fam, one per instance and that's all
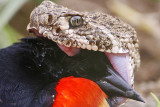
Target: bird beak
(114, 85)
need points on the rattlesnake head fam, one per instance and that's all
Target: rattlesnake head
(95, 31)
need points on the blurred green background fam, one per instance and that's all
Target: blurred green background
(9, 24)
(143, 15)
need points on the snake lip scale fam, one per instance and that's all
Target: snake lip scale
(73, 31)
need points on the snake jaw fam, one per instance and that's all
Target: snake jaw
(70, 51)
(121, 64)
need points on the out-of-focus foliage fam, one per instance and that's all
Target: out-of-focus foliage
(8, 8)
(8, 36)
(155, 0)
(156, 98)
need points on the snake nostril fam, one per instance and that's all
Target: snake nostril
(58, 30)
(50, 18)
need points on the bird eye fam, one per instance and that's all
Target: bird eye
(76, 21)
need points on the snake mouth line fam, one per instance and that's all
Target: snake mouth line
(119, 62)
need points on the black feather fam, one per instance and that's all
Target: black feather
(30, 69)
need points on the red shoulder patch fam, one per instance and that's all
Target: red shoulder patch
(78, 92)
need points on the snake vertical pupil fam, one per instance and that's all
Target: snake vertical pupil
(76, 21)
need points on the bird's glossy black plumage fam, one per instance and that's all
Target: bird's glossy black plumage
(30, 69)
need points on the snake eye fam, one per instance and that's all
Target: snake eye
(75, 21)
